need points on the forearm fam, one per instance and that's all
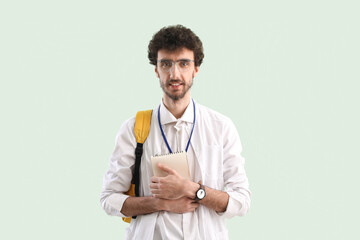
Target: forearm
(134, 206)
(214, 199)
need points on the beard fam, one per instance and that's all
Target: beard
(178, 95)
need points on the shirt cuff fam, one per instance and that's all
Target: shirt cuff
(234, 207)
(116, 202)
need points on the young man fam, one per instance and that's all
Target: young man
(172, 207)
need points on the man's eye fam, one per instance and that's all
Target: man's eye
(184, 63)
(166, 64)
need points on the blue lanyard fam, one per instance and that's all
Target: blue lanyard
(163, 134)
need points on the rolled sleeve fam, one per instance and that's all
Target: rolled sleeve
(235, 179)
(117, 179)
(113, 204)
(235, 207)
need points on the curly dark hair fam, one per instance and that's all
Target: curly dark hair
(172, 38)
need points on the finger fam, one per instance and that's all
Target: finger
(158, 196)
(155, 179)
(154, 186)
(155, 191)
(195, 205)
(166, 169)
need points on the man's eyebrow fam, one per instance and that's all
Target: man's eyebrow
(164, 59)
(182, 59)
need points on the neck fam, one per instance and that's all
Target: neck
(176, 107)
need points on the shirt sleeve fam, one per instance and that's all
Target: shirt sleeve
(117, 179)
(235, 179)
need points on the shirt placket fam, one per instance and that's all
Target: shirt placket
(179, 136)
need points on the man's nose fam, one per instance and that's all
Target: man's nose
(174, 71)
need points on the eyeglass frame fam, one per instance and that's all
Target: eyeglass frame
(175, 63)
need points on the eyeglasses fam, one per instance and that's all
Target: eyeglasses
(183, 65)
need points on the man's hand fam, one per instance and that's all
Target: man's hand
(170, 187)
(174, 187)
(181, 205)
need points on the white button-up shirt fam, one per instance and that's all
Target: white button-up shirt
(213, 157)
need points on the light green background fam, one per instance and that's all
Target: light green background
(286, 73)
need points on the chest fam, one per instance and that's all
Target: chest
(205, 154)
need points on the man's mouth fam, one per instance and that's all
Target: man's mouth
(175, 83)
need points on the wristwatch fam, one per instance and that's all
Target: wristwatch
(200, 193)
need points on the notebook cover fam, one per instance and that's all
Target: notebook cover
(177, 161)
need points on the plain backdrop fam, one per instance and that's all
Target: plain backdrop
(285, 72)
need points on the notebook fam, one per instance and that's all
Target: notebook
(177, 161)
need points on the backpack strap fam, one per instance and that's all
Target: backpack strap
(141, 130)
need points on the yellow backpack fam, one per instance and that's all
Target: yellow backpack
(141, 130)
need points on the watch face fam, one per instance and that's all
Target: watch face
(200, 194)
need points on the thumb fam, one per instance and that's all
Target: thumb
(166, 169)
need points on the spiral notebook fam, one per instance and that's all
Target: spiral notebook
(177, 161)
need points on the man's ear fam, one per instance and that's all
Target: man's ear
(196, 70)
(157, 73)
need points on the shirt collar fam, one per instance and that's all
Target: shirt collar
(167, 117)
